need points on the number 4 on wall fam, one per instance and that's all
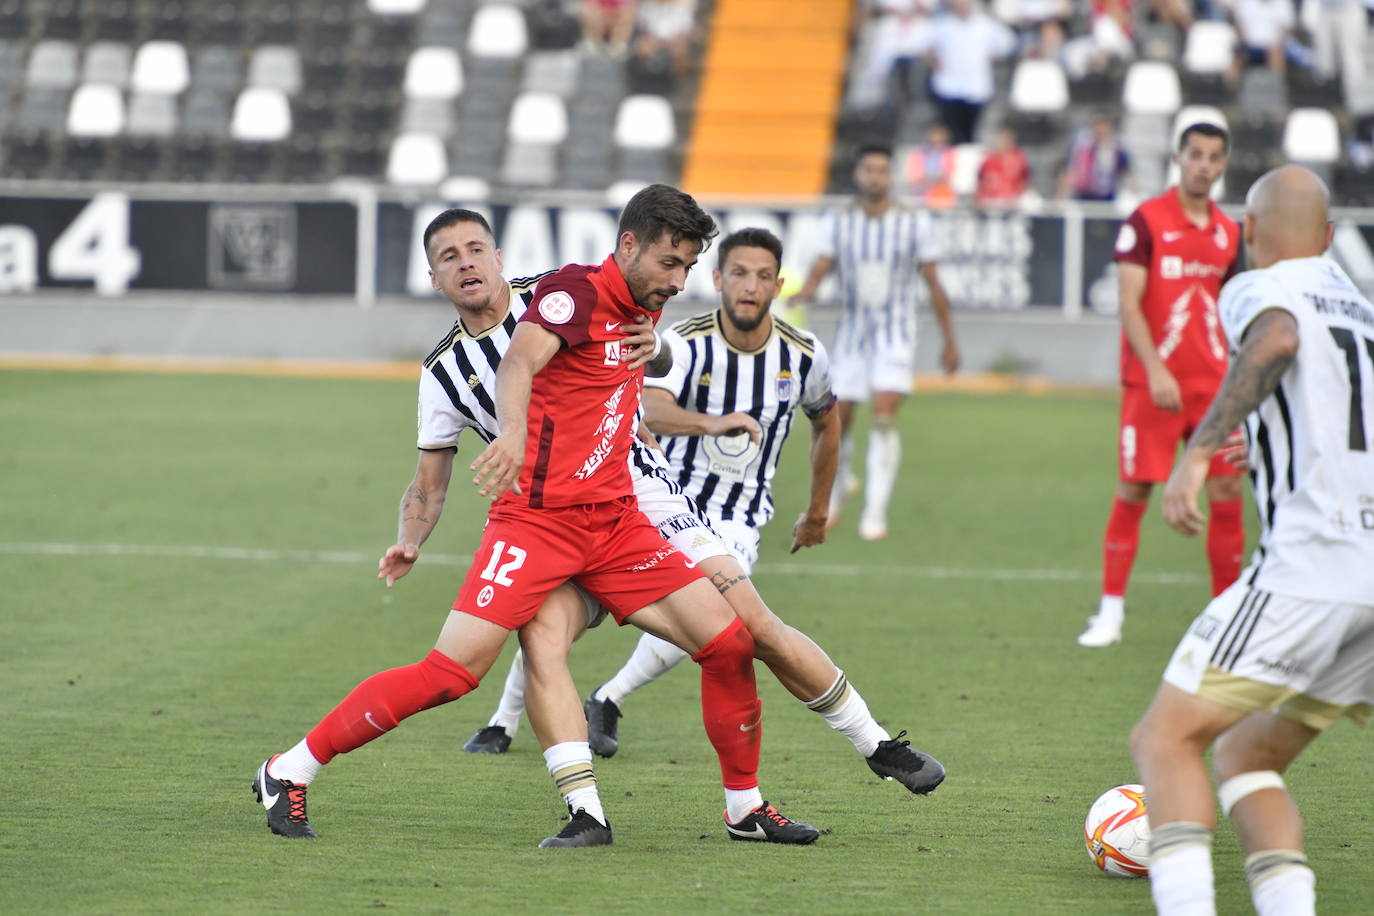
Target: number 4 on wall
(1347, 341)
(95, 246)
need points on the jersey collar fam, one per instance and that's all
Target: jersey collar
(1176, 205)
(616, 286)
(720, 332)
(510, 301)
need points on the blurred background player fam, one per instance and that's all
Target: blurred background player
(1173, 253)
(726, 408)
(879, 249)
(1288, 650)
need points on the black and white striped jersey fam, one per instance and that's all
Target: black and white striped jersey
(730, 477)
(877, 272)
(458, 386)
(1311, 442)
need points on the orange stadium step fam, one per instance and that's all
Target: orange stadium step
(771, 87)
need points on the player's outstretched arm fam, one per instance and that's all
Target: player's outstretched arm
(498, 467)
(1267, 350)
(421, 505)
(1164, 390)
(665, 418)
(819, 271)
(825, 461)
(949, 357)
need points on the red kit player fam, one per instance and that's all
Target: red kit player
(1174, 253)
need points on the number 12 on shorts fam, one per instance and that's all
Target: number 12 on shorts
(501, 574)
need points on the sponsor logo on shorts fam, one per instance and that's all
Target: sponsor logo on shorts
(654, 559)
(683, 521)
(556, 307)
(485, 595)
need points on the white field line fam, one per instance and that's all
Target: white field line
(354, 557)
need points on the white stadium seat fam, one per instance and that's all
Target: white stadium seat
(1151, 87)
(261, 114)
(645, 122)
(151, 114)
(968, 158)
(97, 110)
(106, 62)
(276, 67)
(417, 159)
(160, 66)
(395, 7)
(1312, 135)
(538, 117)
(498, 30)
(1210, 47)
(1039, 85)
(52, 65)
(1196, 114)
(433, 73)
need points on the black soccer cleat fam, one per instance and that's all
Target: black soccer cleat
(896, 759)
(490, 740)
(581, 830)
(603, 725)
(766, 825)
(284, 801)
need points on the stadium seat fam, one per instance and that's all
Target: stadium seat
(29, 154)
(1262, 91)
(43, 108)
(106, 62)
(537, 117)
(139, 158)
(160, 66)
(63, 19)
(1039, 85)
(218, 68)
(444, 22)
(645, 122)
(14, 18)
(1096, 88)
(313, 112)
(1196, 114)
(304, 161)
(192, 158)
(151, 114)
(498, 30)
(1146, 134)
(261, 113)
(97, 110)
(249, 162)
(433, 73)
(434, 116)
(551, 71)
(205, 113)
(1151, 87)
(169, 22)
(224, 24)
(968, 158)
(88, 157)
(416, 159)
(113, 21)
(647, 165)
(465, 188)
(52, 65)
(1312, 136)
(275, 67)
(11, 64)
(363, 157)
(1210, 47)
(532, 165)
(395, 7)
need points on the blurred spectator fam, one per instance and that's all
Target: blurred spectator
(930, 167)
(1109, 39)
(962, 45)
(1043, 25)
(666, 26)
(607, 25)
(1098, 164)
(1339, 30)
(1004, 174)
(1174, 12)
(893, 33)
(1263, 27)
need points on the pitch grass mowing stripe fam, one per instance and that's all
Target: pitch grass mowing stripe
(351, 557)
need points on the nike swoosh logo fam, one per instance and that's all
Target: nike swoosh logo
(691, 564)
(267, 800)
(612, 325)
(1170, 236)
(749, 728)
(372, 722)
(758, 833)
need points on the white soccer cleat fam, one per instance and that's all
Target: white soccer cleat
(1103, 630)
(872, 527)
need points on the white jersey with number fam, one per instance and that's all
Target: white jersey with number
(730, 477)
(1311, 443)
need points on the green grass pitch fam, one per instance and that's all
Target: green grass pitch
(187, 567)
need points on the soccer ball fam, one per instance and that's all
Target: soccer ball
(1117, 832)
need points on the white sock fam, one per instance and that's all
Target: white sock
(1181, 870)
(1281, 883)
(845, 472)
(1112, 607)
(884, 456)
(651, 659)
(846, 712)
(512, 704)
(739, 802)
(297, 765)
(570, 765)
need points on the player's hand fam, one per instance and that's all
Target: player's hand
(1234, 452)
(949, 358)
(498, 467)
(809, 531)
(732, 424)
(1164, 391)
(396, 562)
(637, 346)
(1181, 508)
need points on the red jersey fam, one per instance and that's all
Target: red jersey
(1187, 267)
(583, 402)
(1003, 177)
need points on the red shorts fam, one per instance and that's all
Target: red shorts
(1150, 436)
(609, 548)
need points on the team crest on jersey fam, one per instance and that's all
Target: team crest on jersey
(556, 307)
(786, 385)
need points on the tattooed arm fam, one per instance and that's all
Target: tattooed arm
(1268, 349)
(421, 505)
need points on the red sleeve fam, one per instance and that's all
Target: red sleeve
(563, 303)
(1134, 244)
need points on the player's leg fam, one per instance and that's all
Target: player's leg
(846, 482)
(1225, 530)
(495, 737)
(651, 659)
(884, 460)
(849, 380)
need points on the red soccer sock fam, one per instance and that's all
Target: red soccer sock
(1120, 544)
(730, 705)
(1225, 543)
(378, 704)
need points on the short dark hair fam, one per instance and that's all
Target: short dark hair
(662, 209)
(872, 149)
(750, 238)
(450, 217)
(1205, 129)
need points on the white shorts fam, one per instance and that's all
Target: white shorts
(1309, 661)
(674, 514)
(741, 539)
(856, 373)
